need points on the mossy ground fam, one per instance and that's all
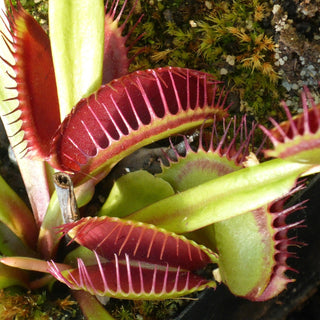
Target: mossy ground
(20, 304)
(233, 40)
(38, 9)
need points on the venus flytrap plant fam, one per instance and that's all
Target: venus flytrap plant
(115, 126)
(39, 193)
(131, 258)
(179, 98)
(242, 266)
(253, 246)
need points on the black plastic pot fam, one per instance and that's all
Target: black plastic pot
(300, 301)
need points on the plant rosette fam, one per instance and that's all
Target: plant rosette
(69, 104)
(252, 247)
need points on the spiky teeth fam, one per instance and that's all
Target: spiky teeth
(218, 153)
(131, 112)
(115, 61)
(298, 138)
(134, 260)
(253, 250)
(37, 97)
(252, 247)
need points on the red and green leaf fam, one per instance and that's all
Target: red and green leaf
(115, 60)
(135, 260)
(12, 277)
(16, 216)
(298, 138)
(219, 152)
(35, 82)
(146, 243)
(30, 112)
(253, 249)
(131, 112)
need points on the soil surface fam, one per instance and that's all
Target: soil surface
(297, 33)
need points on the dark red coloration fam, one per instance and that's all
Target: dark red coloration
(116, 62)
(134, 260)
(108, 236)
(131, 112)
(124, 279)
(233, 142)
(36, 84)
(305, 128)
(307, 122)
(278, 279)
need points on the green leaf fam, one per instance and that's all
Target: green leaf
(83, 253)
(11, 245)
(91, 307)
(134, 191)
(16, 215)
(31, 264)
(224, 197)
(12, 277)
(77, 40)
(196, 168)
(246, 249)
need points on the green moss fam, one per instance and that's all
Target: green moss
(224, 38)
(37, 8)
(147, 310)
(160, 310)
(18, 304)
